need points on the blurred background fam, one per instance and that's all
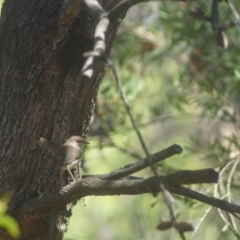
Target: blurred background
(183, 84)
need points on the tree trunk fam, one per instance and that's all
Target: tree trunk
(43, 95)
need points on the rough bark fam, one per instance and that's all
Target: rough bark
(42, 94)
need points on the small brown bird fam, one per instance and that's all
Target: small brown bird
(71, 152)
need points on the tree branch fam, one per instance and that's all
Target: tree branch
(93, 186)
(104, 19)
(95, 8)
(123, 6)
(99, 37)
(215, 202)
(140, 165)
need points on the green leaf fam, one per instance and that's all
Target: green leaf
(10, 224)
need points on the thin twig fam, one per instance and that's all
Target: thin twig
(106, 129)
(228, 219)
(168, 199)
(215, 202)
(129, 112)
(201, 221)
(234, 11)
(229, 189)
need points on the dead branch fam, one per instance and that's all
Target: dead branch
(95, 186)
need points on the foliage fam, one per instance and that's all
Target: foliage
(180, 83)
(6, 221)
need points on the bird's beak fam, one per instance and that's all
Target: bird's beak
(84, 141)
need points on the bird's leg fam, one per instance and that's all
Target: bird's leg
(71, 173)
